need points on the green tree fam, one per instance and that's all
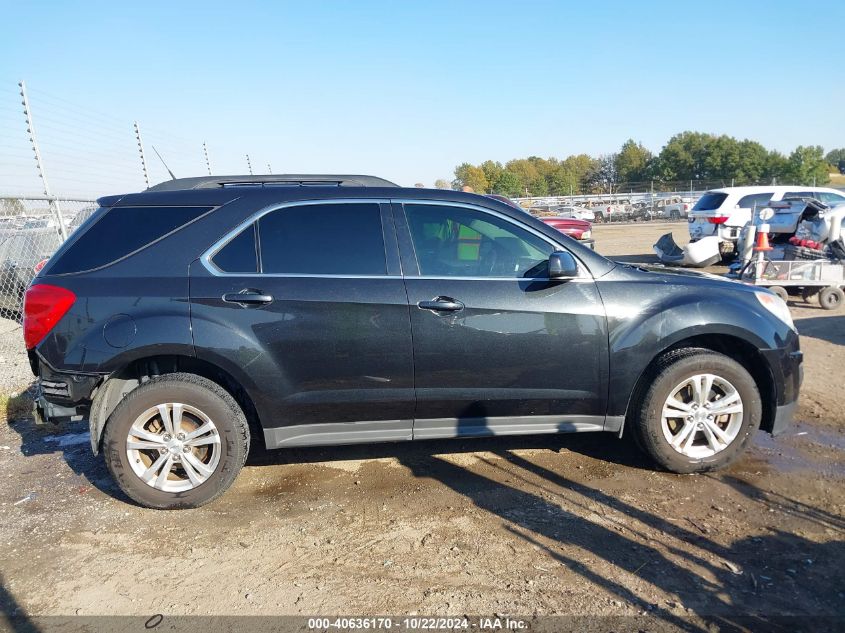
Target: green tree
(467, 175)
(579, 169)
(508, 184)
(777, 167)
(834, 156)
(684, 157)
(604, 177)
(753, 163)
(532, 180)
(633, 162)
(442, 183)
(807, 166)
(492, 171)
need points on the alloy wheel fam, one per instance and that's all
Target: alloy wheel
(173, 447)
(702, 416)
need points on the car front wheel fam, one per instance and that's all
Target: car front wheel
(699, 412)
(177, 441)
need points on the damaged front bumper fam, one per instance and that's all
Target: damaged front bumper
(698, 254)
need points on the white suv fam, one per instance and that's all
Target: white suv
(724, 212)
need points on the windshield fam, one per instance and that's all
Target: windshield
(710, 201)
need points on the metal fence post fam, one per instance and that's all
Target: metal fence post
(207, 160)
(30, 128)
(141, 151)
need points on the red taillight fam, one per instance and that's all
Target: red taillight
(719, 219)
(39, 266)
(43, 306)
(686, 207)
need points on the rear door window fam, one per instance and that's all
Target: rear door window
(710, 201)
(121, 232)
(323, 239)
(754, 200)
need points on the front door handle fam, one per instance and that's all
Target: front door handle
(441, 304)
(248, 298)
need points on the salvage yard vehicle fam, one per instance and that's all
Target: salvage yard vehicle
(23, 252)
(576, 229)
(203, 314)
(677, 209)
(576, 213)
(724, 212)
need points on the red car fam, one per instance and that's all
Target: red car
(580, 230)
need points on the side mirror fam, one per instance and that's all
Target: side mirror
(562, 265)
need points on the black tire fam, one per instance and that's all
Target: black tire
(669, 371)
(831, 298)
(780, 291)
(189, 389)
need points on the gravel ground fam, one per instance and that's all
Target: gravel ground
(15, 373)
(547, 525)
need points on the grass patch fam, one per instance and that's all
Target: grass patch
(15, 407)
(837, 180)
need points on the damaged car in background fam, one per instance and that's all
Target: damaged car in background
(717, 220)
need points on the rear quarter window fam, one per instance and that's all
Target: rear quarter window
(120, 232)
(710, 201)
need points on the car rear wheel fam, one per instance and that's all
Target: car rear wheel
(699, 412)
(177, 441)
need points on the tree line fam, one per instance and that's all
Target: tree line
(688, 156)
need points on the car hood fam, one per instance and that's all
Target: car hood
(671, 275)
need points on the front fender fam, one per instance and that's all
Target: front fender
(639, 334)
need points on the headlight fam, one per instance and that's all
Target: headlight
(776, 306)
(586, 235)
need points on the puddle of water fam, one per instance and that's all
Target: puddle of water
(787, 453)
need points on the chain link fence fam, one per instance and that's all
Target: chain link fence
(31, 229)
(616, 207)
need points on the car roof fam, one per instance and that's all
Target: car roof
(768, 189)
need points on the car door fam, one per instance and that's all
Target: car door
(498, 347)
(305, 305)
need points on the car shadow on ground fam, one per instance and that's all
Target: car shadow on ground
(830, 329)
(760, 582)
(70, 440)
(12, 616)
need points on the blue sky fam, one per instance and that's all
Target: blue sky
(408, 90)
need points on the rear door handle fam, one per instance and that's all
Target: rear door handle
(441, 304)
(248, 298)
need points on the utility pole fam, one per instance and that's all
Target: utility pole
(30, 128)
(207, 160)
(141, 151)
(249, 165)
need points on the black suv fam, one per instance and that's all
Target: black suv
(315, 310)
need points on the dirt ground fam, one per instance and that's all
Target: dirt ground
(545, 525)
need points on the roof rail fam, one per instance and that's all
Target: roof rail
(289, 180)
